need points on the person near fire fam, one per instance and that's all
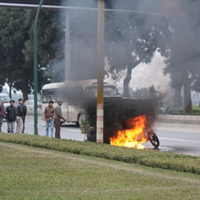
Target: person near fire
(49, 118)
(58, 117)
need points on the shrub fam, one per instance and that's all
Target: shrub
(164, 160)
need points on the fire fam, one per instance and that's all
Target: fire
(132, 137)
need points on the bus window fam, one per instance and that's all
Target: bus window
(61, 94)
(75, 95)
(49, 95)
(44, 96)
(54, 95)
(109, 91)
(91, 91)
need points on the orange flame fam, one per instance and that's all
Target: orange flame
(133, 137)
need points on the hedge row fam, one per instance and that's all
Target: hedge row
(164, 160)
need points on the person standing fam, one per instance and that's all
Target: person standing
(11, 115)
(49, 118)
(58, 117)
(21, 114)
(2, 112)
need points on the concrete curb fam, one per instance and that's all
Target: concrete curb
(178, 119)
(170, 119)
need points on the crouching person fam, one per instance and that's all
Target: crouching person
(11, 115)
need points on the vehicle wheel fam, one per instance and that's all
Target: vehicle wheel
(153, 139)
(80, 118)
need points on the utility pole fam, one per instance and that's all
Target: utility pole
(100, 72)
(36, 69)
(67, 45)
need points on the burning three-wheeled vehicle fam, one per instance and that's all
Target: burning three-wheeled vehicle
(127, 122)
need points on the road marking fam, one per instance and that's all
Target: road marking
(180, 140)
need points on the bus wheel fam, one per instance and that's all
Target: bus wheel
(81, 117)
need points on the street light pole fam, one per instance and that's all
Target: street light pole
(67, 46)
(36, 69)
(100, 72)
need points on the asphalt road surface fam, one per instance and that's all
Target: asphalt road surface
(178, 138)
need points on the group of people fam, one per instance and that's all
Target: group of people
(13, 114)
(53, 118)
(17, 114)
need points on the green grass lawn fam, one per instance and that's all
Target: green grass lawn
(195, 111)
(34, 173)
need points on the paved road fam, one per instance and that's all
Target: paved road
(69, 131)
(178, 138)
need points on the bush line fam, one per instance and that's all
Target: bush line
(150, 158)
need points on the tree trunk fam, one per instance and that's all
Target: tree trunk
(178, 103)
(128, 78)
(10, 91)
(126, 82)
(24, 90)
(187, 97)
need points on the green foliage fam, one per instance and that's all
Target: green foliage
(85, 127)
(196, 110)
(132, 39)
(163, 160)
(183, 60)
(16, 44)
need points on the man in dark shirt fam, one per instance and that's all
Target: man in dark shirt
(11, 115)
(24, 114)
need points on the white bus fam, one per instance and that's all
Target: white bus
(73, 94)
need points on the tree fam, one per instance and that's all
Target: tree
(196, 84)
(16, 33)
(2, 71)
(183, 60)
(131, 40)
(12, 42)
